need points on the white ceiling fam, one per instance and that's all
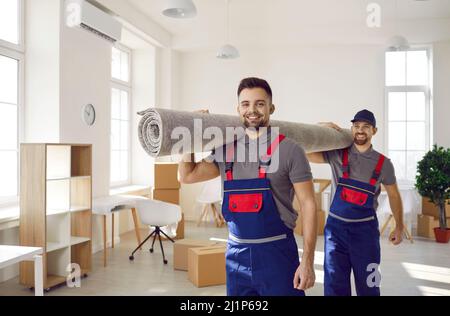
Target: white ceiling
(296, 22)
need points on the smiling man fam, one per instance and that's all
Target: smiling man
(262, 255)
(352, 238)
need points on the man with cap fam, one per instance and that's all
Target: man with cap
(352, 237)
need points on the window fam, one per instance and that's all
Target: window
(120, 117)
(11, 21)
(11, 69)
(408, 100)
(120, 65)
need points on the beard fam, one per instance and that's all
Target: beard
(362, 141)
(257, 124)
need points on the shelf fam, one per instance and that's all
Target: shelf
(74, 240)
(53, 280)
(69, 178)
(53, 246)
(75, 209)
(56, 202)
(58, 161)
(56, 212)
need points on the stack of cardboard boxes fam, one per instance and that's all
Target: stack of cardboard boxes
(429, 219)
(319, 186)
(203, 260)
(167, 189)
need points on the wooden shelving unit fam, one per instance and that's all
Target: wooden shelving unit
(55, 208)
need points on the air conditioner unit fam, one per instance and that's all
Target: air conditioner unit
(80, 13)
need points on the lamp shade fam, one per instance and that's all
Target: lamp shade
(180, 9)
(398, 43)
(228, 52)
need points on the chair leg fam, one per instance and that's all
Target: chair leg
(142, 243)
(156, 231)
(162, 249)
(104, 241)
(408, 235)
(385, 225)
(167, 236)
(136, 225)
(112, 230)
(203, 214)
(220, 220)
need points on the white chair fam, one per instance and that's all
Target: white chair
(157, 214)
(210, 195)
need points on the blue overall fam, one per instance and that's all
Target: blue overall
(352, 238)
(262, 254)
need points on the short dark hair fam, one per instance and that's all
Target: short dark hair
(251, 83)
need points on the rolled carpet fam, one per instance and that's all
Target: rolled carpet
(157, 125)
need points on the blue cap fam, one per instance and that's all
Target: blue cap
(365, 116)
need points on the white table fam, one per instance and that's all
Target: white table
(10, 255)
(107, 205)
(411, 201)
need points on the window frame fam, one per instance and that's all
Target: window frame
(127, 87)
(20, 47)
(14, 54)
(127, 50)
(428, 92)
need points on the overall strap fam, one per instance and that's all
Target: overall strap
(229, 160)
(377, 171)
(265, 160)
(345, 168)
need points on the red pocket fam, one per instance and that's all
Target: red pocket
(245, 203)
(354, 197)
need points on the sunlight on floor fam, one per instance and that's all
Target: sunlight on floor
(433, 291)
(427, 272)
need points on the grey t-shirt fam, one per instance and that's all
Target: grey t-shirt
(361, 167)
(293, 167)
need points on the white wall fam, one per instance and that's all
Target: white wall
(86, 78)
(441, 52)
(144, 96)
(310, 84)
(42, 73)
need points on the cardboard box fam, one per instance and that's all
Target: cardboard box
(167, 195)
(166, 176)
(206, 266)
(431, 209)
(320, 186)
(181, 248)
(180, 228)
(426, 225)
(321, 219)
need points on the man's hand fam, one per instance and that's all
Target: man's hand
(202, 111)
(331, 125)
(396, 237)
(305, 276)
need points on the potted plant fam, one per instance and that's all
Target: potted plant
(433, 182)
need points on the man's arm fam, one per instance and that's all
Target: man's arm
(191, 172)
(318, 157)
(305, 277)
(395, 201)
